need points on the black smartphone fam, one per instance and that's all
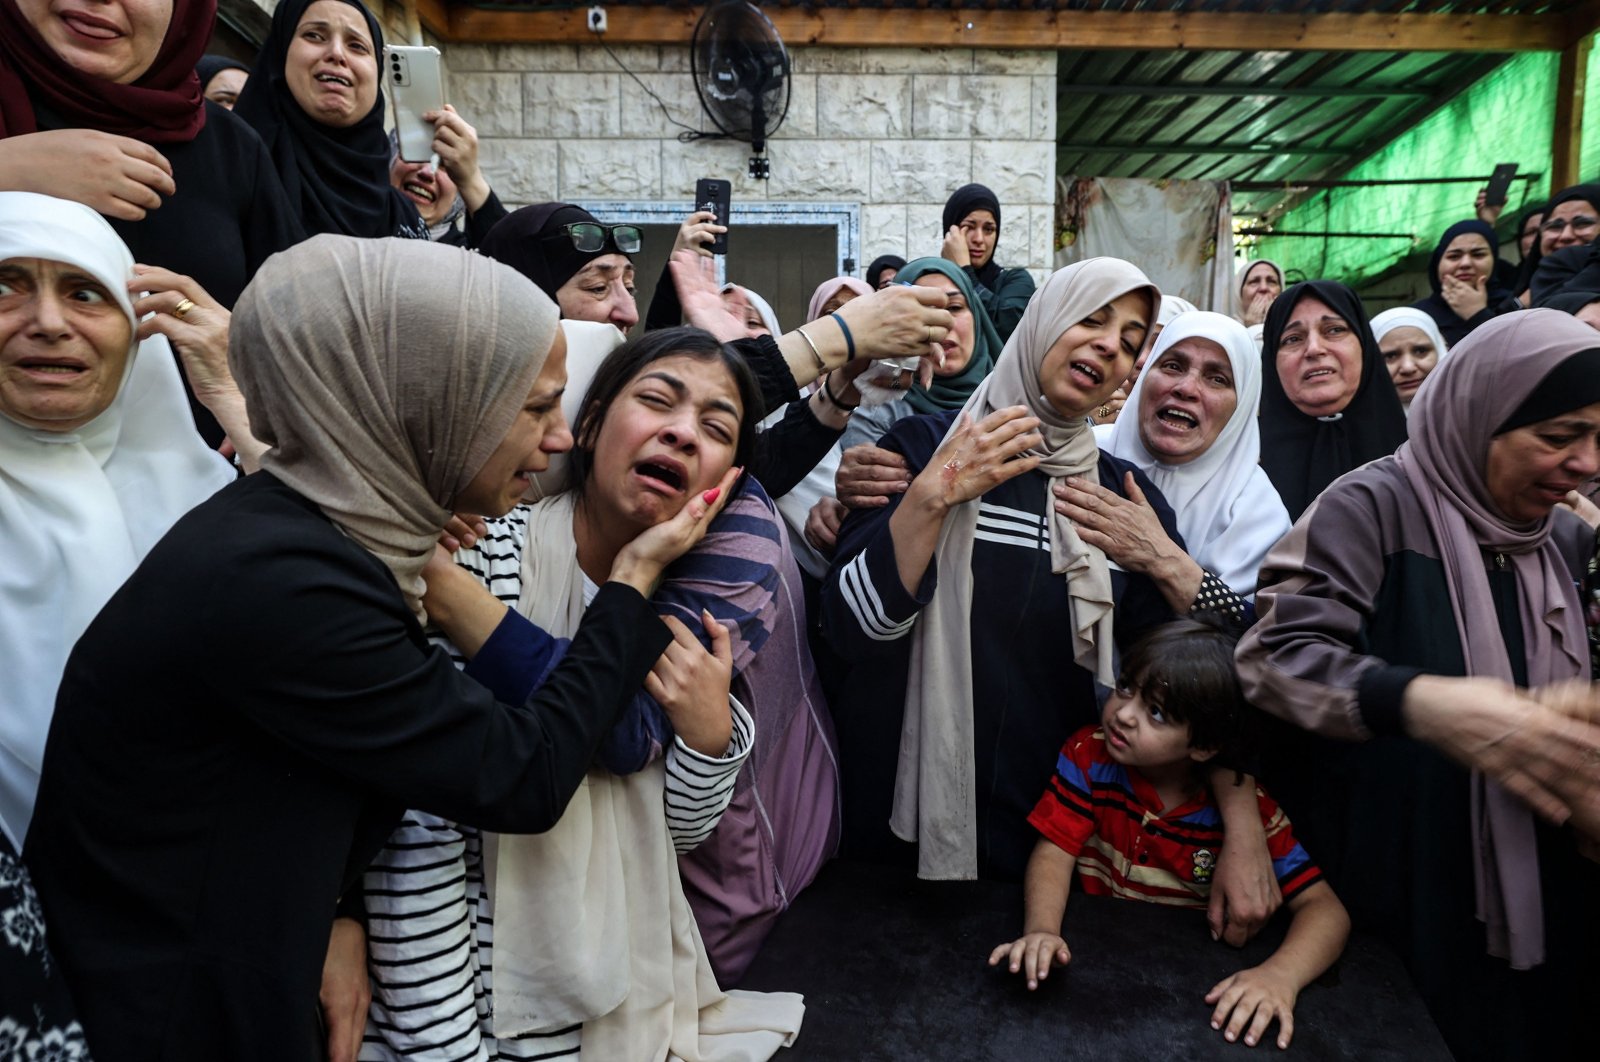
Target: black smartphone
(715, 196)
(1500, 183)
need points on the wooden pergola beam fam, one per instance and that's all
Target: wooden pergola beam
(925, 28)
(1567, 142)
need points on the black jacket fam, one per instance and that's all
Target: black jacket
(236, 734)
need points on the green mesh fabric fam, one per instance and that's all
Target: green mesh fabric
(1589, 157)
(1507, 116)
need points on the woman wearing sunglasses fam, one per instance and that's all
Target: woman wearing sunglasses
(582, 263)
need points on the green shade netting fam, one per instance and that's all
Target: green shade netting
(1589, 157)
(1507, 116)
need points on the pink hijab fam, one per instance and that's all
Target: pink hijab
(828, 289)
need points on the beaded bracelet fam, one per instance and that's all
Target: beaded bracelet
(822, 366)
(849, 340)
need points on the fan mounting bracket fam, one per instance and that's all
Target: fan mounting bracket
(760, 168)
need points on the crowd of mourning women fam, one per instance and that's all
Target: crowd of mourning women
(401, 661)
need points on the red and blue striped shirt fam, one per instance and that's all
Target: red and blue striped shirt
(1108, 816)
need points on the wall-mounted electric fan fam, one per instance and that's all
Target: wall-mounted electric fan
(741, 70)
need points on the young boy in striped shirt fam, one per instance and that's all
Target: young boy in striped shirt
(1129, 809)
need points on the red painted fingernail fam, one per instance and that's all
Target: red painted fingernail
(710, 497)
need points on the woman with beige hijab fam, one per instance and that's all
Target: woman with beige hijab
(967, 588)
(242, 724)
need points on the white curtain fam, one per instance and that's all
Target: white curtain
(1179, 232)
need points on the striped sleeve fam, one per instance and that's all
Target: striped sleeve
(865, 608)
(425, 990)
(699, 787)
(732, 573)
(1065, 813)
(1291, 864)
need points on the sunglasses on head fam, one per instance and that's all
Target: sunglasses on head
(591, 236)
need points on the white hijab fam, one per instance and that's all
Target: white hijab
(1410, 317)
(80, 509)
(1228, 512)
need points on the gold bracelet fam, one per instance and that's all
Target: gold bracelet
(822, 366)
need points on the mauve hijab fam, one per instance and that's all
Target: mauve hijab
(1453, 420)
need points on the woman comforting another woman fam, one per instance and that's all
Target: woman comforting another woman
(241, 726)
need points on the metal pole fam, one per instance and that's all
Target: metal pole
(1294, 185)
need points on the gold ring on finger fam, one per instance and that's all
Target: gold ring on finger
(1103, 412)
(181, 310)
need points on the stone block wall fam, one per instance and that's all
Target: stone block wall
(895, 130)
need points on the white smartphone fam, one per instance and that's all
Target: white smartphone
(416, 85)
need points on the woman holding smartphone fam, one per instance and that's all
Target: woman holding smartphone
(314, 97)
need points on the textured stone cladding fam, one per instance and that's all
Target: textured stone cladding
(895, 130)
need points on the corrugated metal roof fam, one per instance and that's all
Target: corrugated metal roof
(1246, 116)
(1259, 117)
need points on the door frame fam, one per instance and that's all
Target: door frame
(844, 218)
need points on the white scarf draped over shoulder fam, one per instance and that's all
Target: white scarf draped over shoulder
(79, 509)
(1228, 511)
(934, 799)
(592, 926)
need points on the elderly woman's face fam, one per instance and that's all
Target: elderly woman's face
(64, 344)
(1092, 358)
(331, 68)
(114, 40)
(601, 291)
(1319, 359)
(1262, 279)
(1188, 398)
(670, 434)
(1410, 356)
(1532, 468)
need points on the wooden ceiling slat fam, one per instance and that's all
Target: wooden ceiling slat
(862, 27)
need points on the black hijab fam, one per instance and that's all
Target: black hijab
(1530, 261)
(209, 66)
(1572, 301)
(1451, 325)
(532, 241)
(965, 200)
(1302, 454)
(886, 261)
(339, 178)
(1588, 193)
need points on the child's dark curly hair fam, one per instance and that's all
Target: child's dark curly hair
(1186, 668)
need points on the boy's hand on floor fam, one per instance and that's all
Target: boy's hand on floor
(1032, 955)
(1256, 996)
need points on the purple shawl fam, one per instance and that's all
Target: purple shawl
(1453, 419)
